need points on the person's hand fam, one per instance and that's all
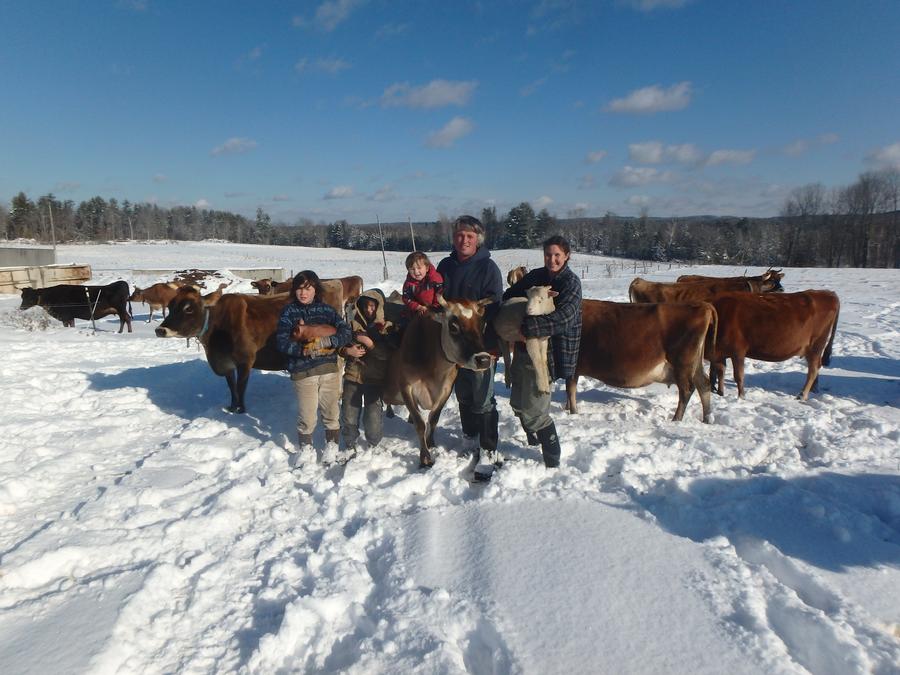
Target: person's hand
(354, 351)
(365, 341)
(422, 309)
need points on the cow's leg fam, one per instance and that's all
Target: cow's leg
(701, 383)
(717, 377)
(685, 389)
(737, 363)
(436, 409)
(571, 391)
(425, 458)
(813, 364)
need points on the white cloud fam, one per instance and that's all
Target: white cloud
(889, 155)
(797, 148)
(532, 87)
(595, 156)
(730, 157)
(391, 30)
(66, 186)
(634, 176)
(828, 139)
(638, 200)
(234, 146)
(650, 5)
(543, 202)
(339, 192)
(329, 15)
(160, 178)
(654, 152)
(450, 133)
(384, 194)
(653, 99)
(255, 53)
(330, 66)
(435, 94)
(281, 198)
(587, 182)
(202, 204)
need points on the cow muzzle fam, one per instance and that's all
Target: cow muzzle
(481, 361)
(165, 332)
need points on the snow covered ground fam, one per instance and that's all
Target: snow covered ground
(144, 530)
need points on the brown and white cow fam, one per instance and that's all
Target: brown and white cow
(157, 296)
(774, 327)
(423, 368)
(767, 282)
(238, 332)
(633, 345)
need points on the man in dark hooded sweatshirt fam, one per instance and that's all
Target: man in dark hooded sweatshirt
(470, 274)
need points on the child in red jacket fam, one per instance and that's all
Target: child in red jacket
(423, 284)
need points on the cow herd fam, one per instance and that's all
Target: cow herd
(664, 334)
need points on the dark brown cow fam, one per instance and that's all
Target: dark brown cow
(642, 290)
(423, 369)
(767, 282)
(633, 345)
(774, 327)
(67, 302)
(238, 332)
(157, 296)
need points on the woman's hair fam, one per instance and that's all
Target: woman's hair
(557, 240)
(417, 256)
(472, 224)
(307, 277)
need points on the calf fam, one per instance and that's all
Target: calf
(508, 325)
(774, 328)
(68, 302)
(423, 368)
(633, 345)
(157, 296)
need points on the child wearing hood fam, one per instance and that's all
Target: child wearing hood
(365, 371)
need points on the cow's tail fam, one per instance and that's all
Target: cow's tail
(826, 355)
(709, 344)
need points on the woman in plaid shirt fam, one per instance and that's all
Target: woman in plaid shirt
(563, 327)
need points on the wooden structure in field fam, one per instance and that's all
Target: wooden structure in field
(13, 279)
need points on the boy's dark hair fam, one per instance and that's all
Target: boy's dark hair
(307, 277)
(557, 240)
(417, 256)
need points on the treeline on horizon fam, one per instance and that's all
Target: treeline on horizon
(852, 226)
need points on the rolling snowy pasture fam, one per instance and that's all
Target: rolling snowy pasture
(145, 530)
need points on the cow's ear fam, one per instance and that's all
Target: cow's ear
(484, 301)
(552, 293)
(441, 301)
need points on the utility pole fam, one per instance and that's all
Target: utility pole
(383, 255)
(411, 233)
(52, 229)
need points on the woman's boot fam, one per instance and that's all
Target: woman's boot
(549, 445)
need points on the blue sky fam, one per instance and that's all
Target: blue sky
(393, 108)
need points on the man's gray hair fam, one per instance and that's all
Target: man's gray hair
(470, 224)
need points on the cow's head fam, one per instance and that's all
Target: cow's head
(137, 296)
(264, 286)
(515, 274)
(462, 329)
(29, 298)
(187, 314)
(771, 281)
(540, 300)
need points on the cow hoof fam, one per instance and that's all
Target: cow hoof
(236, 409)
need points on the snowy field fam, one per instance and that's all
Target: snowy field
(144, 530)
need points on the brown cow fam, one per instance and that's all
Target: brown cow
(774, 327)
(352, 287)
(642, 290)
(238, 332)
(633, 345)
(768, 281)
(515, 274)
(423, 369)
(158, 296)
